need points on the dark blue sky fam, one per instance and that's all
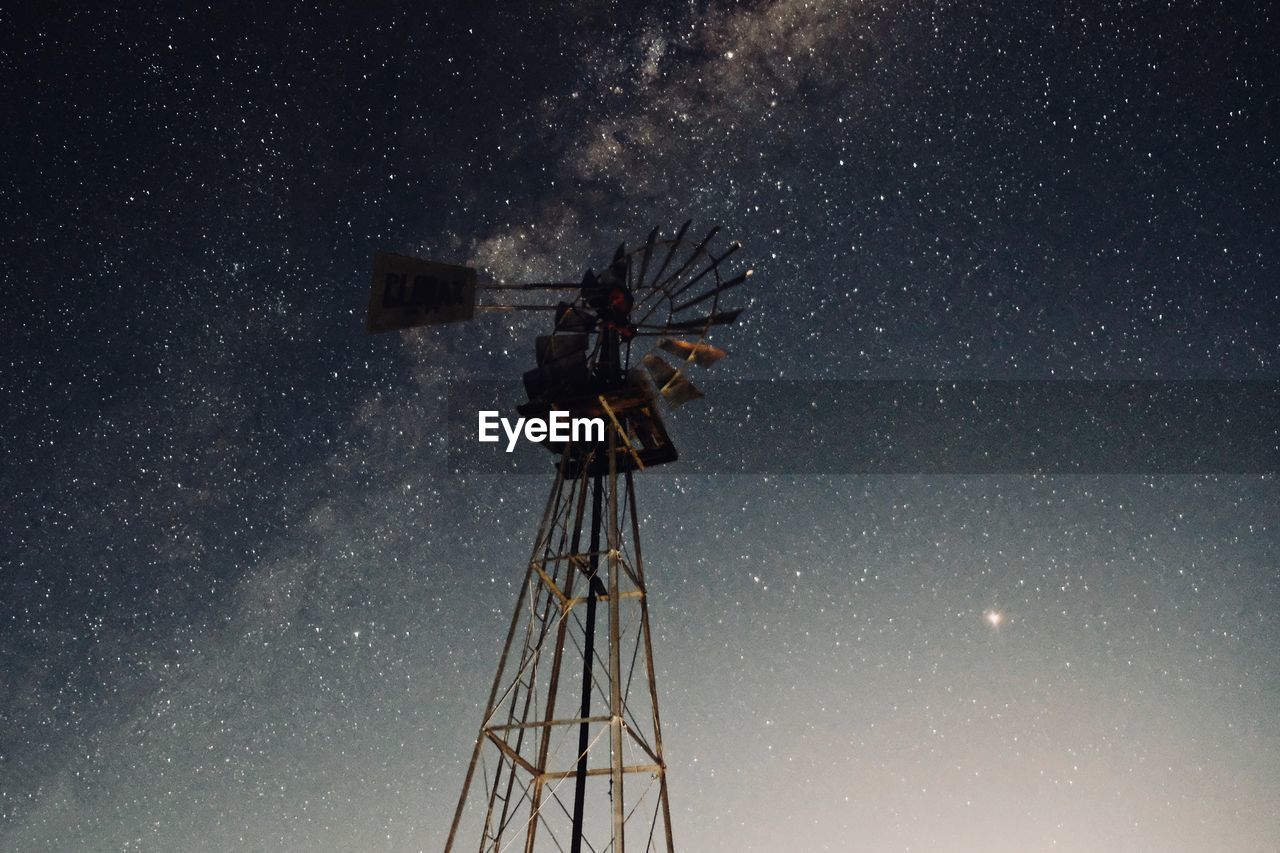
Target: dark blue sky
(241, 606)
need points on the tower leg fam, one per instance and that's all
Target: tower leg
(594, 591)
(615, 653)
(647, 639)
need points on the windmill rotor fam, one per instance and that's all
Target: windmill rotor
(667, 288)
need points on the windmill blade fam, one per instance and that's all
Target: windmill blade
(644, 261)
(688, 262)
(593, 290)
(672, 384)
(720, 318)
(715, 291)
(618, 268)
(658, 369)
(701, 354)
(711, 267)
(679, 391)
(671, 252)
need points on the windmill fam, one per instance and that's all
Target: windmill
(569, 755)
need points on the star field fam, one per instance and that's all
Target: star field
(244, 606)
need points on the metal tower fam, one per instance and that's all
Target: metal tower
(570, 755)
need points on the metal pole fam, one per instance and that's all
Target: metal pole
(615, 660)
(529, 285)
(588, 655)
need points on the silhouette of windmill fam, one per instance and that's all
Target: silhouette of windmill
(570, 753)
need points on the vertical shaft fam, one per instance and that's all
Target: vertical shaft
(588, 655)
(615, 650)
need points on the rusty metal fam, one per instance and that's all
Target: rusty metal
(701, 354)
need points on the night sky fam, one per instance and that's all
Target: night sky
(245, 606)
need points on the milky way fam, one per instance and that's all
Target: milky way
(245, 606)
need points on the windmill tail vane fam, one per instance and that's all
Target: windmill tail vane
(570, 755)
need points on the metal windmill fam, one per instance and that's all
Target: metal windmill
(569, 754)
